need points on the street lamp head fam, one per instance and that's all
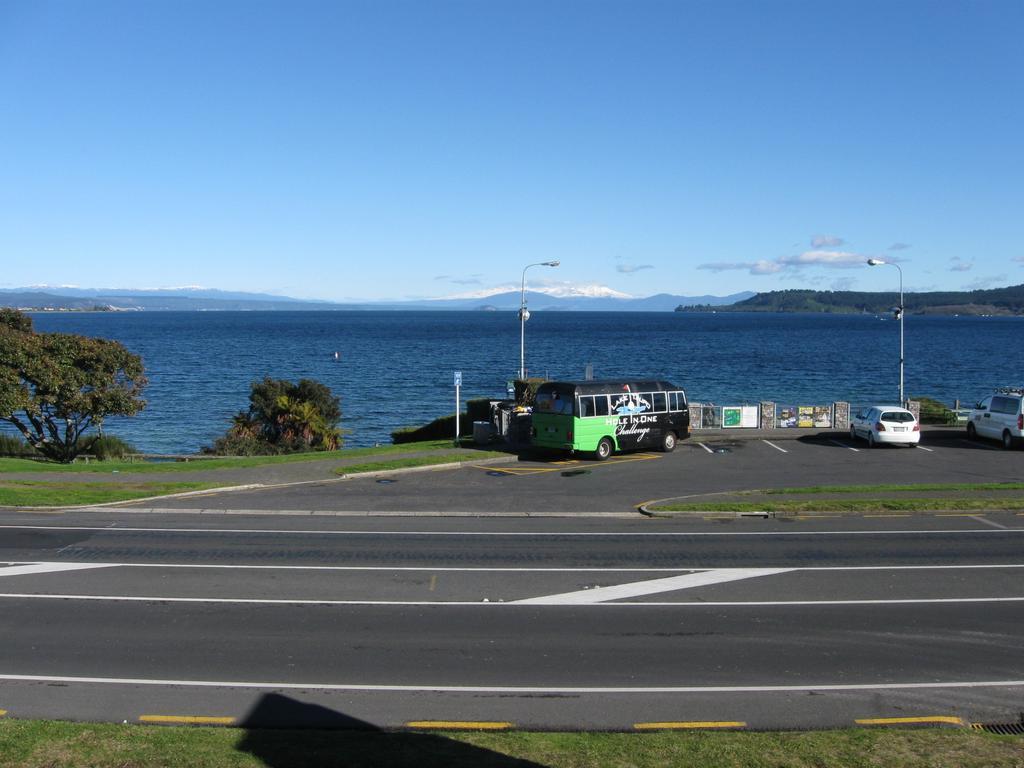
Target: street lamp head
(875, 262)
(550, 263)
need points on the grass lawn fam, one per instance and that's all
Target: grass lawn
(852, 505)
(49, 744)
(19, 493)
(219, 462)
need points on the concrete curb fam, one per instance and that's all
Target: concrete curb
(368, 513)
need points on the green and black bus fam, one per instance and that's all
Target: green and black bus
(600, 417)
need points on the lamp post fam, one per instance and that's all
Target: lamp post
(899, 313)
(524, 315)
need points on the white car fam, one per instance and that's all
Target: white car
(885, 424)
(999, 416)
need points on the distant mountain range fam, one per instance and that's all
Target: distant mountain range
(208, 300)
(989, 301)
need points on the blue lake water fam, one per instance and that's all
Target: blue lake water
(395, 368)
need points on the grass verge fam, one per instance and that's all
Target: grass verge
(897, 488)
(221, 462)
(18, 493)
(49, 744)
(852, 505)
(415, 461)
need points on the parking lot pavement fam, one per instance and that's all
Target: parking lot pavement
(719, 463)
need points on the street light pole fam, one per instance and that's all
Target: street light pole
(524, 315)
(879, 262)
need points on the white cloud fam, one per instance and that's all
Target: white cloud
(959, 265)
(754, 267)
(628, 269)
(1018, 259)
(838, 259)
(899, 246)
(826, 241)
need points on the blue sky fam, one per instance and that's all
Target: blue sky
(384, 149)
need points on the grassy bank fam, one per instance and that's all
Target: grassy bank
(17, 493)
(218, 462)
(48, 744)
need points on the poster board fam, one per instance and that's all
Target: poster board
(739, 416)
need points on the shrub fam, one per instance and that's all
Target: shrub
(283, 418)
(15, 446)
(444, 427)
(934, 412)
(109, 448)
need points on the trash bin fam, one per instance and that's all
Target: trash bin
(482, 432)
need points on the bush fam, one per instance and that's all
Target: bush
(109, 448)
(15, 446)
(526, 390)
(283, 418)
(934, 412)
(444, 427)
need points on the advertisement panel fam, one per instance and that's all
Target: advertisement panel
(741, 416)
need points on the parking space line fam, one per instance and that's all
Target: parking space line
(921, 447)
(705, 447)
(460, 725)
(688, 724)
(844, 445)
(986, 521)
(773, 445)
(186, 720)
(927, 720)
(975, 444)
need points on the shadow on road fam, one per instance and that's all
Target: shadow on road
(285, 733)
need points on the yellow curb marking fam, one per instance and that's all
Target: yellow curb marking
(187, 719)
(3, 712)
(690, 724)
(957, 514)
(482, 725)
(886, 515)
(908, 720)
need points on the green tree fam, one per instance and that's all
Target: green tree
(55, 386)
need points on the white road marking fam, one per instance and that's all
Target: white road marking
(499, 534)
(653, 586)
(986, 521)
(844, 445)
(30, 568)
(507, 604)
(773, 445)
(524, 689)
(705, 447)
(922, 448)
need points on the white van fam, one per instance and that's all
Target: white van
(999, 416)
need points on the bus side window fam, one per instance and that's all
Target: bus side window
(673, 401)
(601, 405)
(586, 407)
(658, 402)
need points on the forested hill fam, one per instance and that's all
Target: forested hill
(994, 301)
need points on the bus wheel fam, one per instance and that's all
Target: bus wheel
(604, 449)
(668, 442)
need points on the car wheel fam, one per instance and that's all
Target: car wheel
(668, 442)
(871, 439)
(853, 432)
(604, 449)
(1007, 440)
(972, 433)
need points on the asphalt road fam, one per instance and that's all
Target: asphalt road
(563, 622)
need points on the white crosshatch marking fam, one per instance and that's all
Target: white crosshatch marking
(25, 570)
(652, 586)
